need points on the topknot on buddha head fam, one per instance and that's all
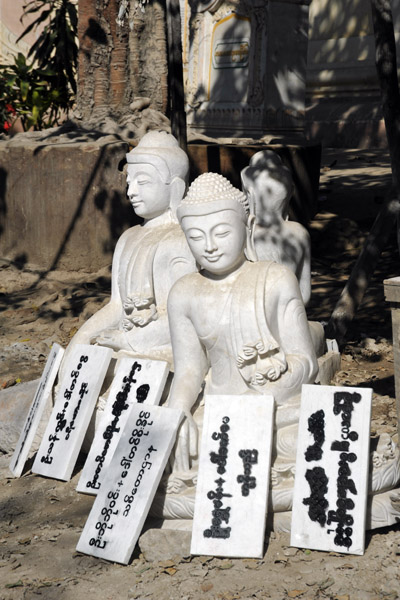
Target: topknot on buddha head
(161, 149)
(212, 192)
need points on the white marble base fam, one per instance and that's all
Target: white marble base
(36, 409)
(120, 509)
(79, 390)
(232, 488)
(331, 483)
(136, 380)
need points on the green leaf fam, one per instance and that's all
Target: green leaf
(35, 113)
(24, 87)
(20, 59)
(73, 15)
(43, 17)
(46, 84)
(36, 99)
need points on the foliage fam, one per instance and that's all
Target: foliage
(29, 93)
(56, 47)
(40, 92)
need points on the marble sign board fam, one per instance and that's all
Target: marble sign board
(127, 491)
(73, 408)
(234, 471)
(136, 380)
(35, 412)
(331, 483)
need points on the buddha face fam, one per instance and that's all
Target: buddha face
(217, 240)
(148, 194)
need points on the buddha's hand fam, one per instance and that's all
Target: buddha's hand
(112, 338)
(186, 444)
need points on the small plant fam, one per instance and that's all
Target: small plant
(56, 47)
(30, 94)
(42, 91)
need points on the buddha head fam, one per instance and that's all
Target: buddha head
(157, 173)
(268, 185)
(217, 224)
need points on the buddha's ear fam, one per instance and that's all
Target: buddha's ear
(250, 250)
(178, 187)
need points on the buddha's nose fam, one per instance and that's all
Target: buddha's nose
(211, 245)
(132, 189)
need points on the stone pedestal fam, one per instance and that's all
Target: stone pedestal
(392, 295)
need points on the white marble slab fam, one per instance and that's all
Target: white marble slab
(234, 470)
(331, 484)
(73, 408)
(36, 409)
(136, 380)
(127, 491)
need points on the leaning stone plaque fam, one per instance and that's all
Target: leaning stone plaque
(331, 484)
(127, 491)
(234, 471)
(36, 410)
(137, 380)
(79, 390)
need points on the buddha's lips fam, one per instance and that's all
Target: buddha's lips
(213, 258)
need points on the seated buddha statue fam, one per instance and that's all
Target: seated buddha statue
(238, 324)
(269, 187)
(148, 258)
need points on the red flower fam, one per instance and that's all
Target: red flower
(6, 126)
(10, 109)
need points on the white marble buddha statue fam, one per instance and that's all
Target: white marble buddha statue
(268, 185)
(148, 258)
(239, 326)
(243, 322)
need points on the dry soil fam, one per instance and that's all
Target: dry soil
(41, 519)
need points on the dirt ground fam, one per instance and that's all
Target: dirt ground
(41, 519)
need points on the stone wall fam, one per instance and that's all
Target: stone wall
(62, 205)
